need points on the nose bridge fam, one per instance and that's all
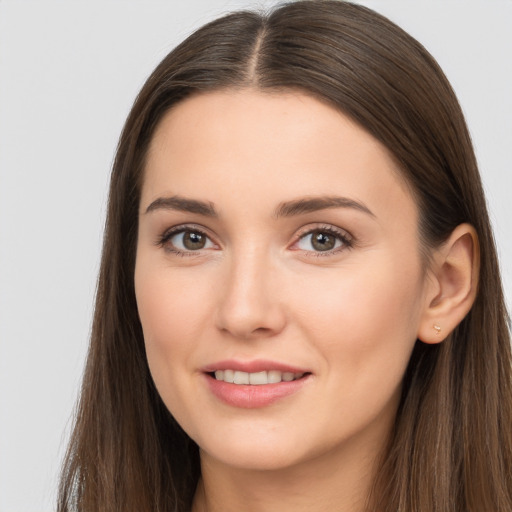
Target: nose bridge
(249, 305)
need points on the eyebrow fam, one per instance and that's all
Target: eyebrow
(313, 204)
(286, 209)
(183, 204)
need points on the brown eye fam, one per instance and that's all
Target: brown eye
(192, 240)
(187, 240)
(322, 240)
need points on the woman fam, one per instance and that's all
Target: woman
(299, 304)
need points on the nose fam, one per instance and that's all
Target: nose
(249, 305)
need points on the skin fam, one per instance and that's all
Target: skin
(260, 290)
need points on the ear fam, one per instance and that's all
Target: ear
(452, 284)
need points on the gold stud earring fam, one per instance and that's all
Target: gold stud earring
(437, 329)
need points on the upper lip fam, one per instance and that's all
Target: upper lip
(254, 366)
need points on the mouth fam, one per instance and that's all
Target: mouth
(256, 378)
(254, 384)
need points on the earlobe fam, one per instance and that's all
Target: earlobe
(452, 286)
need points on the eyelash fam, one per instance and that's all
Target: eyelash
(347, 241)
(163, 240)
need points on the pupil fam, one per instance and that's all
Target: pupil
(322, 241)
(193, 240)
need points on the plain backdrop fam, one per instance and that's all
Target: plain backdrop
(69, 72)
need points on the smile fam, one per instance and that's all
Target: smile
(254, 384)
(258, 378)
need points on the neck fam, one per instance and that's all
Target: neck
(339, 480)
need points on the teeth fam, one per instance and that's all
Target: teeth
(241, 378)
(273, 377)
(258, 378)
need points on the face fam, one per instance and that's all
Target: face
(278, 277)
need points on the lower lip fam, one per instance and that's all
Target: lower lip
(252, 397)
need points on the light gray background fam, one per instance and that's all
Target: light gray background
(69, 72)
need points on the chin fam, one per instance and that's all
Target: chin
(255, 458)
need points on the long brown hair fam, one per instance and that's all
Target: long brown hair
(451, 447)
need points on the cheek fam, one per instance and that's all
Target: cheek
(169, 343)
(170, 308)
(365, 330)
(364, 322)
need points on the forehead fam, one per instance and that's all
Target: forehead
(263, 148)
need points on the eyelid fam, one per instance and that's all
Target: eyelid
(166, 236)
(342, 234)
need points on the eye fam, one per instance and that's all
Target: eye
(323, 240)
(185, 240)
